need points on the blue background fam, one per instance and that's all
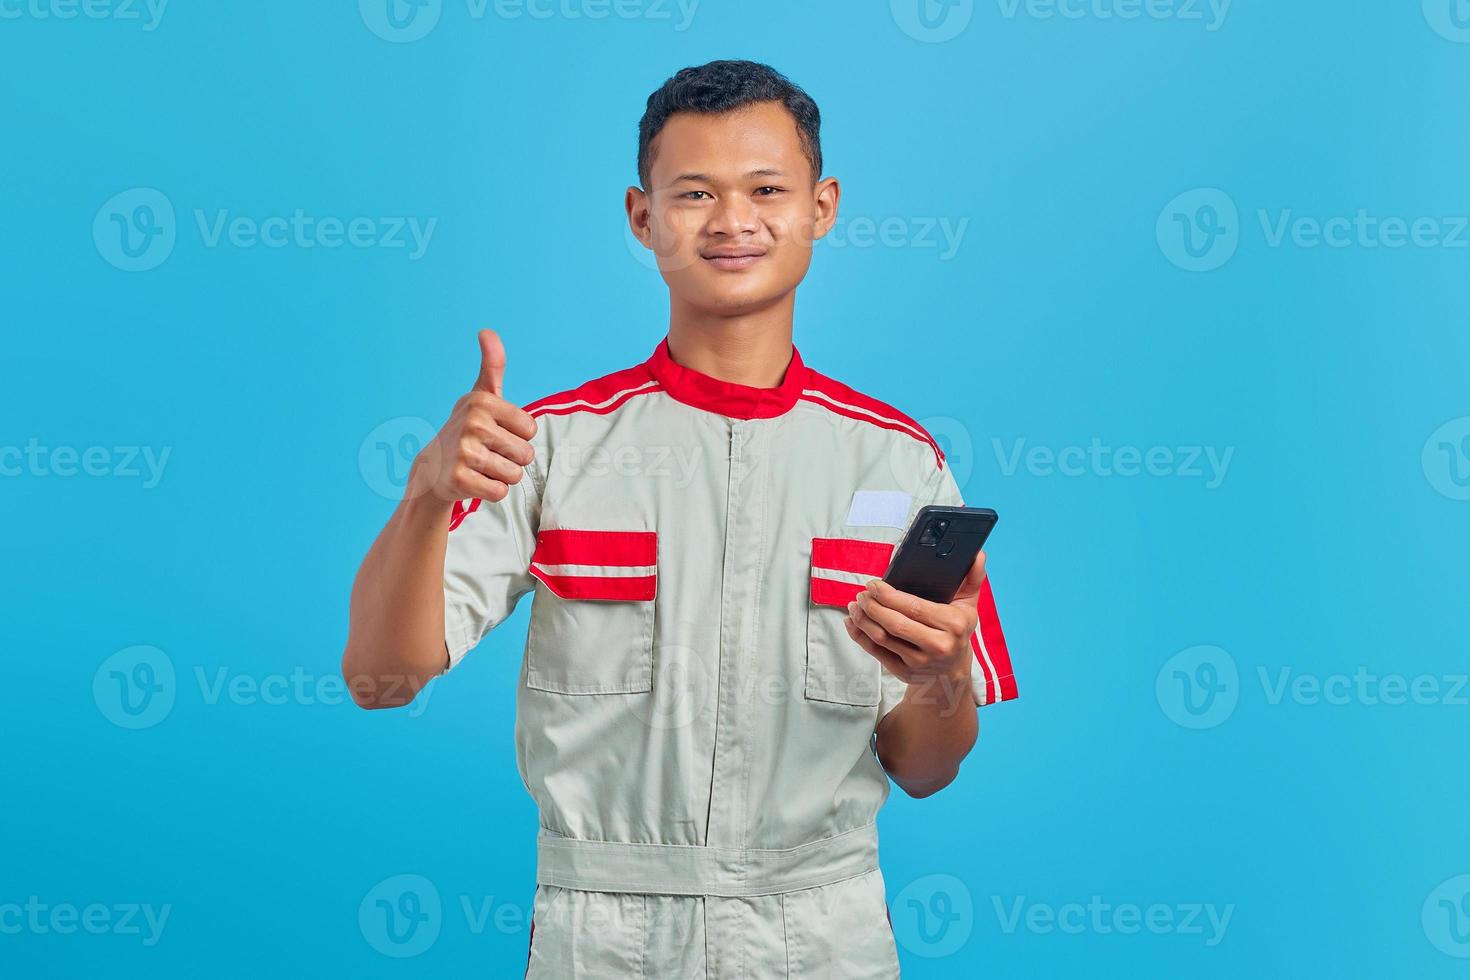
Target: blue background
(1335, 542)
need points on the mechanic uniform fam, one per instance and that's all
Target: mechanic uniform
(693, 721)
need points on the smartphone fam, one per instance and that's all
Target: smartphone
(938, 549)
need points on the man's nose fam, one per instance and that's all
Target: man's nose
(734, 214)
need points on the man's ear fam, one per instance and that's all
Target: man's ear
(639, 208)
(825, 196)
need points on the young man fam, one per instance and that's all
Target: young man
(716, 686)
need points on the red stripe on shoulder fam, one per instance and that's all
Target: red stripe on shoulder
(850, 403)
(599, 396)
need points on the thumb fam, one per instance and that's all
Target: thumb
(492, 364)
(970, 587)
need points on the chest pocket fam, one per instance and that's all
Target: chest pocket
(592, 620)
(837, 669)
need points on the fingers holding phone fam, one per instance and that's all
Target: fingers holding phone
(915, 637)
(917, 621)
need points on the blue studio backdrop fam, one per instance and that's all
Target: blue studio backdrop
(1206, 263)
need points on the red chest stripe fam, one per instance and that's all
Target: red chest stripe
(603, 565)
(639, 588)
(622, 548)
(850, 555)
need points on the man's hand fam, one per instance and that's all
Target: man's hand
(485, 446)
(922, 740)
(395, 643)
(920, 642)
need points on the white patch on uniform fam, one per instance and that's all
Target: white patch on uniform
(879, 508)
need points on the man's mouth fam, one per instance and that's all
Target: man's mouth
(734, 259)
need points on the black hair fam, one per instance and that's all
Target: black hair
(724, 86)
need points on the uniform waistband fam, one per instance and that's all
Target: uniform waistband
(693, 869)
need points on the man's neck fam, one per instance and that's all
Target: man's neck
(752, 349)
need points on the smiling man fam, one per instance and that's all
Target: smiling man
(716, 685)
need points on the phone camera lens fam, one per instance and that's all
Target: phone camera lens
(933, 531)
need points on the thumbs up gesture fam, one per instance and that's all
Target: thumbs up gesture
(485, 446)
(492, 364)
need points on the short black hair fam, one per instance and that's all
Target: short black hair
(724, 86)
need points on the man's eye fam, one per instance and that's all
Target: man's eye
(768, 191)
(690, 194)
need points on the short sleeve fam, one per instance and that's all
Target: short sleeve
(487, 564)
(991, 678)
(891, 691)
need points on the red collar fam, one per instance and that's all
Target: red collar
(725, 397)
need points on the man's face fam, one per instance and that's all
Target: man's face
(731, 211)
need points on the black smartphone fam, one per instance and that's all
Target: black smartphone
(938, 549)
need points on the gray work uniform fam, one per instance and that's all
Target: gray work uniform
(693, 721)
